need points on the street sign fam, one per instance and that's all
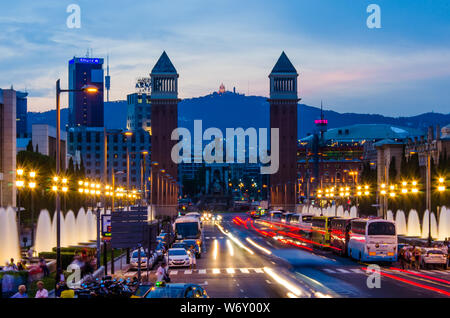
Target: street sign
(106, 225)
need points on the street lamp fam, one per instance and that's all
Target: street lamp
(91, 89)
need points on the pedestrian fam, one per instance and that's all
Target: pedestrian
(21, 266)
(30, 252)
(41, 292)
(192, 259)
(12, 265)
(43, 266)
(402, 259)
(22, 292)
(417, 256)
(161, 272)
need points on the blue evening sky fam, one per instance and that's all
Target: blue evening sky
(401, 69)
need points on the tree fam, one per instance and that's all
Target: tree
(30, 146)
(71, 168)
(392, 170)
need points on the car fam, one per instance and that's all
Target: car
(159, 250)
(178, 290)
(433, 256)
(134, 259)
(196, 244)
(178, 257)
(180, 245)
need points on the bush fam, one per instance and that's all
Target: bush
(66, 257)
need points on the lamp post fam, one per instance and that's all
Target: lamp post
(19, 185)
(153, 164)
(86, 88)
(32, 186)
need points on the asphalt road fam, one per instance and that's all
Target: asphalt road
(232, 266)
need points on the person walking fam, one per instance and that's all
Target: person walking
(192, 259)
(162, 273)
(22, 292)
(402, 259)
(43, 266)
(41, 292)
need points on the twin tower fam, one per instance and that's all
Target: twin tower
(283, 115)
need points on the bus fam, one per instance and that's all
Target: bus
(373, 240)
(302, 221)
(320, 231)
(187, 227)
(340, 234)
(275, 216)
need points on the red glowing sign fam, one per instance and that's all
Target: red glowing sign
(321, 121)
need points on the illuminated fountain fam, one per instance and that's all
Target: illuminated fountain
(44, 239)
(425, 225)
(74, 230)
(340, 211)
(389, 215)
(353, 212)
(400, 222)
(9, 237)
(444, 223)
(413, 224)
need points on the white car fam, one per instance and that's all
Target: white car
(433, 256)
(134, 260)
(178, 257)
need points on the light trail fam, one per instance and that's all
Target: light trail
(421, 275)
(235, 240)
(265, 250)
(407, 281)
(230, 248)
(283, 282)
(215, 249)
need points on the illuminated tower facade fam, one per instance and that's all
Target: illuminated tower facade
(283, 116)
(164, 112)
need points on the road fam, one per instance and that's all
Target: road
(263, 267)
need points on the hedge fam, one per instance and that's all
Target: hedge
(66, 257)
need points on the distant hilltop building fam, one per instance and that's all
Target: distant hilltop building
(223, 91)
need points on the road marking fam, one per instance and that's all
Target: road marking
(207, 237)
(173, 272)
(357, 271)
(188, 271)
(216, 271)
(258, 270)
(329, 270)
(268, 282)
(343, 270)
(202, 271)
(244, 270)
(221, 237)
(230, 270)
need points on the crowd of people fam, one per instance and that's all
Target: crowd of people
(410, 257)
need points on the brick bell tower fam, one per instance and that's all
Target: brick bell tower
(283, 115)
(164, 119)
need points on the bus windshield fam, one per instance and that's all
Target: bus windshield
(381, 228)
(187, 230)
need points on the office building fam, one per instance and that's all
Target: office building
(8, 100)
(21, 114)
(139, 112)
(86, 109)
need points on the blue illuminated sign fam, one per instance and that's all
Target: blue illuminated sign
(86, 60)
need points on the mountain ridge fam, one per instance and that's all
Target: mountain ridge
(238, 110)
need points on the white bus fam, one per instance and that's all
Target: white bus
(187, 227)
(373, 240)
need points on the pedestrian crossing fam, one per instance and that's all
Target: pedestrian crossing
(207, 271)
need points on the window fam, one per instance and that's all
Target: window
(381, 228)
